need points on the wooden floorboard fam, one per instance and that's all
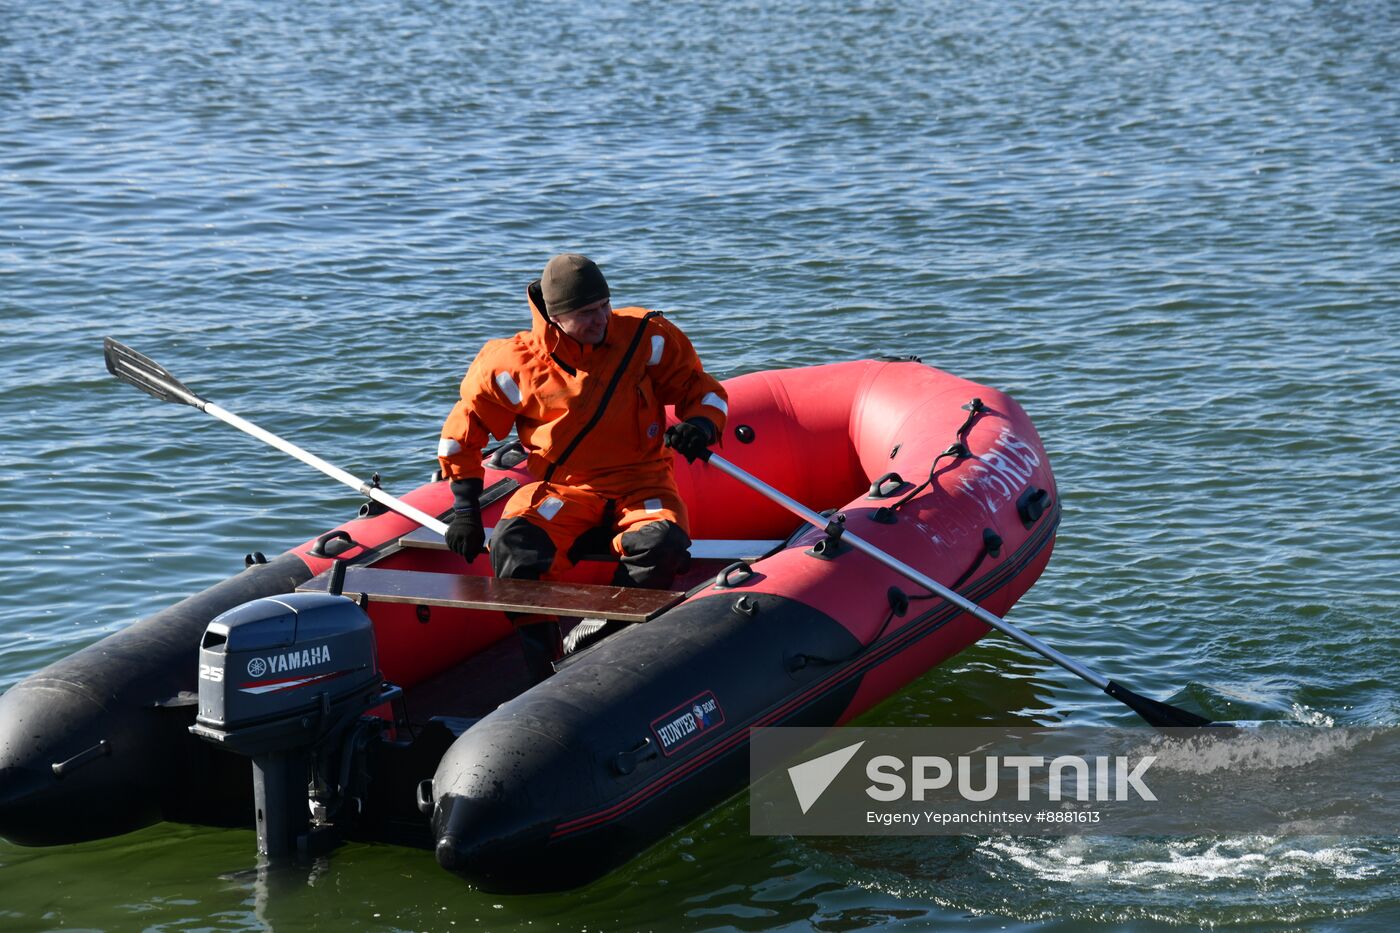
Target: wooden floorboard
(520, 596)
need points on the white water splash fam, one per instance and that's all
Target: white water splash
(1263, 749)
(1181, 863)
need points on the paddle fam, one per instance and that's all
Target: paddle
(1156, 713)
(154, 379)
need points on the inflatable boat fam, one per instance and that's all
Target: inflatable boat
(373, 679)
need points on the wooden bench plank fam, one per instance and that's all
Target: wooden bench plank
(706, 548)
(424, 538)
(526, 596)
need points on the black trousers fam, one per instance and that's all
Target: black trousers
(651, 557)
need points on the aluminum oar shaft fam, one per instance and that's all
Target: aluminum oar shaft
(330, 469)
(898, 566)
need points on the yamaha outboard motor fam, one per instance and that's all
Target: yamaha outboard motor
(287, 680)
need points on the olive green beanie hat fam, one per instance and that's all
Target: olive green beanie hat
(571, 281)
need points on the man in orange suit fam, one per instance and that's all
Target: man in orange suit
(585, 390)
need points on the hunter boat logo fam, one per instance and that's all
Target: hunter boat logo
(287, 662)
(687, 722)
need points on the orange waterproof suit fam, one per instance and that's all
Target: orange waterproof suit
(592, 420)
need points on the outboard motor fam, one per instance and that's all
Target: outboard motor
(287, 680)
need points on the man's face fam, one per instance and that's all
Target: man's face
(588, 325)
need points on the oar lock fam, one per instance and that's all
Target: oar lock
(373, 507)
(831, 546)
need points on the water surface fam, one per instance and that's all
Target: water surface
(1169, 229)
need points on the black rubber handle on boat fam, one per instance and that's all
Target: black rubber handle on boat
(323, 543)
(722, 581)
(894, 481)
(424, 795)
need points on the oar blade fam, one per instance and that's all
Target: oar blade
(146, 374)
(1156, 713)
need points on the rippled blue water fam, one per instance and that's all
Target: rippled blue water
(1171, 229)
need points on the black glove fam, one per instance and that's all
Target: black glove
(464, 534)
(691, 438)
